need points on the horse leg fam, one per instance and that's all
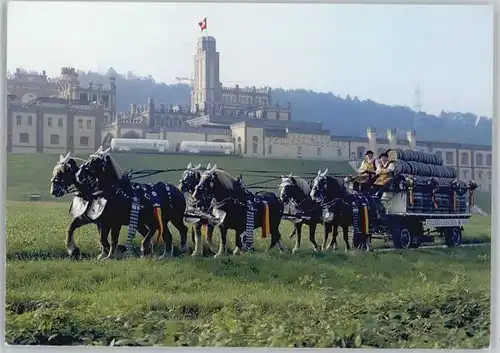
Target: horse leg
(325, 238)
(115, 236)
(223, 242)
(345, 234)
(276, 240)
(178, 223)
(238, 240)
(104, 232)
(73, 250)
(335, 232)
(168, 249)
(312, 235)
(298, 231)
(210, 235)
(198, 241)
(146, 243)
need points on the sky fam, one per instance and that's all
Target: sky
(377, 52)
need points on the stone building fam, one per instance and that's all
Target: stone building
(58, 115)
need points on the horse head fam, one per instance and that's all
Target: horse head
(326, 188)
(63, 176)
(190, 178)
(292, 188)
(98, 169)
(215, 183)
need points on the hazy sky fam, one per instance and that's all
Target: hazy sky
(379, 52)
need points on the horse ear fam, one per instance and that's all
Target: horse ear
(189, 166)
(324, 172)
(213, 168)
(208, 166)
(198, 166)
(290, 175)
(99, 150)
(319, 172)
(61, 158)
(67, 155)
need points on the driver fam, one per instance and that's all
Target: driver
(384, 174)
(366, 171)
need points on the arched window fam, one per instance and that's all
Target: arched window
(255, 144)
(464, 158)
(360, 152)
(488, 159)
(480, 175)
(299, 151)
(439, 154)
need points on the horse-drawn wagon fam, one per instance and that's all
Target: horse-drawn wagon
(423, 200)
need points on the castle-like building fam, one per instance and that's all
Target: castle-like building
(59, 115)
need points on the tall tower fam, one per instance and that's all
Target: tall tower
(206, 90)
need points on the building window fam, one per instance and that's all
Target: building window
(318, 151)
(270, 149)
(49, 122)
(19, 120)
(361, 152)
(94, 98)
(353, 156)
(80, 124)
(464, 158)
(480, 175)
(84, 141)
(24, 137)
(255, 144)
(339, 152)
(54, 139)
(439, 154)
(479, 159)
(89, 124)
(105, 100)
(488, 159)
(84, 97)
(465, 173)
(30, 120)
(449, 158)
(299, 150)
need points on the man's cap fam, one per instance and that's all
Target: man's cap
(368, 152)
(384, 155)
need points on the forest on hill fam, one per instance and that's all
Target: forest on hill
(342, 116)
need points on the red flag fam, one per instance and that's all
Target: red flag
(203, 24)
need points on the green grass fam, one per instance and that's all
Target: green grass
(30, 174)
(426, 298)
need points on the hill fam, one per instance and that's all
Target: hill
(343, 116)
(30, 174)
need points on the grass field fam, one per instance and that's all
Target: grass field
(426, 298)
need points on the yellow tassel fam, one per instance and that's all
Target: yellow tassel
(159, 220)
(366, 220)
(454, 200)
(265, 223)
(204, 230)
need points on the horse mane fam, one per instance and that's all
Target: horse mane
(225, 179)
(61, 167)
(303, 185)
(116, 168)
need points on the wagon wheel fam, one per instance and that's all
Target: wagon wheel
(401, 238)
(453, 237)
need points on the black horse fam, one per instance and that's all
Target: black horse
(294, 192)
(159, 203)
(63, 182)
(190, 178)
(232, 205)
(334, 199)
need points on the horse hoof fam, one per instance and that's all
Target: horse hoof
(295, 250)
(236, 252)
(217, 255)
(196, 254)
(100, 257)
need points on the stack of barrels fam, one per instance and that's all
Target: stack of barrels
(431, 186)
